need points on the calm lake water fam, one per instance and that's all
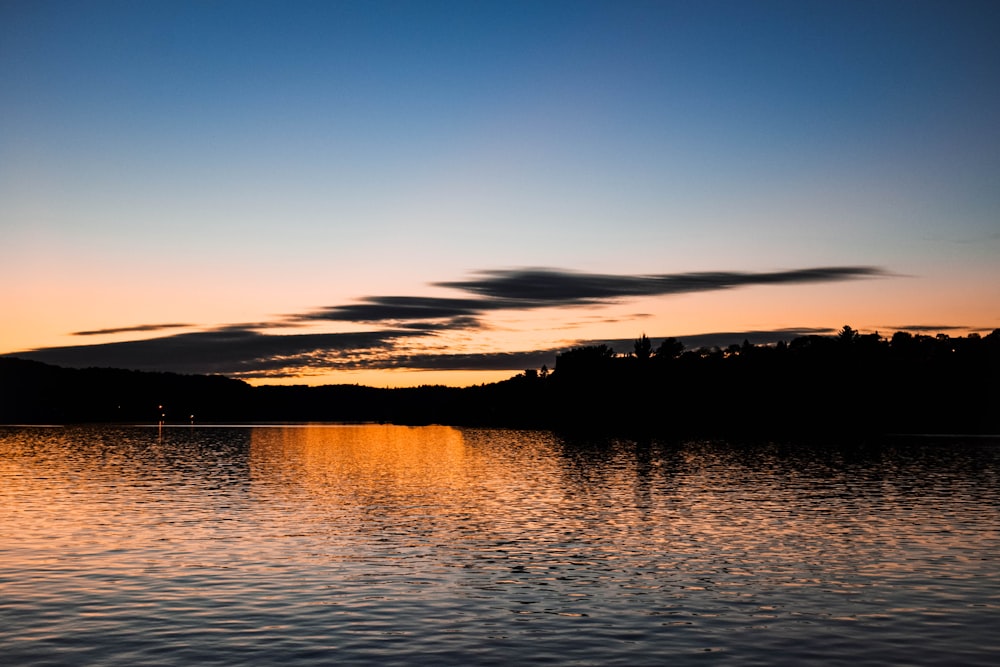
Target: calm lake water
(395, 545)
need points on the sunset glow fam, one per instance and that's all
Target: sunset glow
(448, 193)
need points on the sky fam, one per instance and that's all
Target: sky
(405, 193)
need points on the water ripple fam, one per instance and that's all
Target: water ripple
(395, 545)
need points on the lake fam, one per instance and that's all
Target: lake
(391, 545)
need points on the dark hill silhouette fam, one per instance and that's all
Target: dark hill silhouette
(816, 384)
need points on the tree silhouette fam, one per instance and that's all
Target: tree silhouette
(847, 335)
(643, 348)
(670, 348)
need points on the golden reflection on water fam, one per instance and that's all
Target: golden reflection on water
(436, 484)
(365, 448)
(396, 461)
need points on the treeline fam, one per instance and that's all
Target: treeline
(815, 384)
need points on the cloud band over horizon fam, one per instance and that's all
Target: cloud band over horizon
(517, 289)
(247, 351)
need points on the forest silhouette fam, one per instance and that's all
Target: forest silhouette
(851, 382)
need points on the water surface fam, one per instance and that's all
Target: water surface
(397, 545)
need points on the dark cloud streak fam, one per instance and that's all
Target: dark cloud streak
(397, 308)
(519, 289)
(924, 328)
(135, 329)
(487, 361)
(531, 288)
(229, 351)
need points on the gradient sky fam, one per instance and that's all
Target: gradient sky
(396, 193)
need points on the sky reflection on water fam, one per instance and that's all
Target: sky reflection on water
(395, 545)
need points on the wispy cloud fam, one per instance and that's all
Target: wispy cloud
(403, 308)
(486, 361)
(930, 327)
(524, 289)
(550, 287)
(135, 329)
(227, 351)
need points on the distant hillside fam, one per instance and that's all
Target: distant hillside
(817, 385)
(31, 391)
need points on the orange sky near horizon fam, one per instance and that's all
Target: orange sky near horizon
(290, 186)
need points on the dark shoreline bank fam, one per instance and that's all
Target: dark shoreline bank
(845, 384)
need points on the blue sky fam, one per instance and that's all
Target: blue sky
(236, 165)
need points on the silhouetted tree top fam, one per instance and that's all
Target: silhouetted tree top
(847, 335)
(589, 356)
(670, 348)
(642, 348)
